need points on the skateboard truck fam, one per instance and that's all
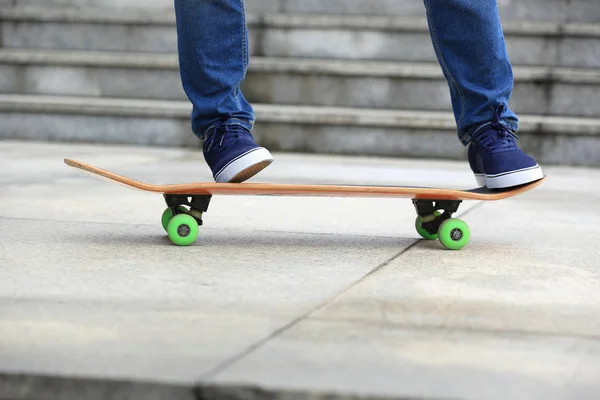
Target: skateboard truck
(184, 221)
(453, 233)
(198, 204)
(426, 209)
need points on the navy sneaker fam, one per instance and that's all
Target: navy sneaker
(498, 162)
(232, 154)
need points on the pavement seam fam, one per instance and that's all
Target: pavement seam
(211, 373)
(255, 346)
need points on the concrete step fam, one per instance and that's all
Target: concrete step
(552, 140)
(549, 10)
(290, 35)
(318, 82)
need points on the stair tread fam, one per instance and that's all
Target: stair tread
(283, 113)
(302, 21)
(370, 68)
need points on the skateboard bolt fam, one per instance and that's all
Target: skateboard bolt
(456, 234)
(183, 230)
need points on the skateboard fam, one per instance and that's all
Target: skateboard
(186, 203)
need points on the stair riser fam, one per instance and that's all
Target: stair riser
(293, 88)
(554, 10)
(335, 139)
(294, 42)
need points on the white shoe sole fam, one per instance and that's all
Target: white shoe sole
(245, 166)
(510, 179)
(480, 179)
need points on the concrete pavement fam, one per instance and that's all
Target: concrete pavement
(294, 296)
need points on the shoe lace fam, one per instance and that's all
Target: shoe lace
(218, 133)
(498, 138)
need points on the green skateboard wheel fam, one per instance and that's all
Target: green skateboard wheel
(422, 232)
(454, 234)
(182, 229)
(168, 214)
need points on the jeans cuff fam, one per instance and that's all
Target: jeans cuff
(465, 137)
(249, 125)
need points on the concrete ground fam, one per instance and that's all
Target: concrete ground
(294, 296)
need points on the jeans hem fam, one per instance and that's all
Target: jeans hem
(466, 137)
(244, 123)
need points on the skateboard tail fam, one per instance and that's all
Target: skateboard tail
(108, 176)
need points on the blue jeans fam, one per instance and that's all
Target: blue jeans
(466, 35)
(213, 60)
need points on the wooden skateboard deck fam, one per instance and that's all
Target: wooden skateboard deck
(276, 189)
(427, 200)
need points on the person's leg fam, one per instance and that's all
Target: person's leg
(469, 43)
(213, 59)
